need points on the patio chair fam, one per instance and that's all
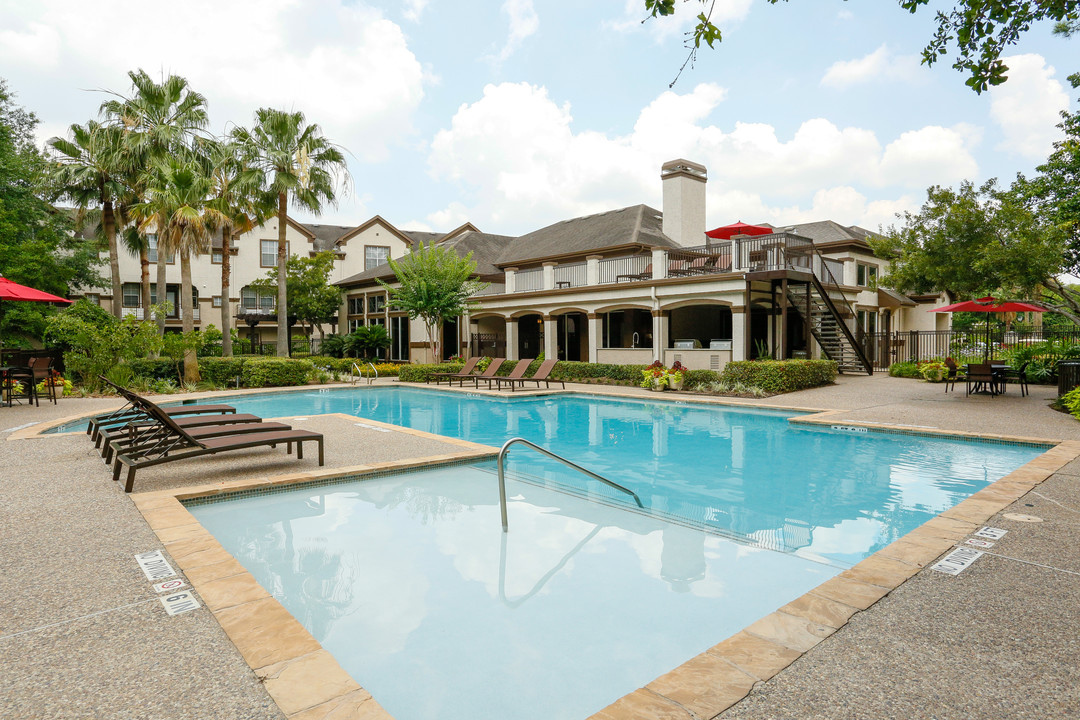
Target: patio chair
(130, 412)
(466, 371)
(175, 443)
(21, 378)
(1019, 376)
(697, 266)
(540, 376)
(517, 373)
(144, 431)
(41, 369)
(492, 368)
(981, 377)
(951, 376)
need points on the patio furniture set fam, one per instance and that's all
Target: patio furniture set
(21, 382)
(986, 378)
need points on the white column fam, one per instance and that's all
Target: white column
(511, 273)
(738, 335)
(551, 337)
(595, 336)
(511, 339)
(659, 263)
(659, 335)
(592, 269)
(549, 275)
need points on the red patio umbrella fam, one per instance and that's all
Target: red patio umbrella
(10, 290)
(989, 305)
(725, 232)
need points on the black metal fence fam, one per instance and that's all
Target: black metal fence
(920, 345)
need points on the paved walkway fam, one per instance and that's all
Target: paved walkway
(82, 634)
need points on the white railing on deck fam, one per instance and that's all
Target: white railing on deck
(624, 269)
(529, 280)
(572, 275)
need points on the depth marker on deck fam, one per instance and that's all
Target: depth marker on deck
(990, 533)
(371, 427)
(154, 565)
(957, 561)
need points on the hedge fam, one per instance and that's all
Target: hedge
(275, 372)
(345, 365)
(221, 370)
(780, 376)
(159, 369)
(567, 371)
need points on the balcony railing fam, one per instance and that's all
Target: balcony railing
(625, 269)
(529, 280)
(140, 314)
(571, 275)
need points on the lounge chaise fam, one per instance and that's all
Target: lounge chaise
(540, 376)
(176, 443)
(464, 372)
(489, 372)
(516, 374)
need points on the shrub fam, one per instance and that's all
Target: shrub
(155, 369)
(420, 373)
(905, 370)
(933, 371)
(780, 376)
(572, 371)
(275, 372)
(1071, 402)
(221, 370)
(699, 379)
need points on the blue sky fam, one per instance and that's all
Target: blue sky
(515, 114)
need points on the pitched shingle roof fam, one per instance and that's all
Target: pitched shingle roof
(485, 248)
(826, 231)
(637, 224)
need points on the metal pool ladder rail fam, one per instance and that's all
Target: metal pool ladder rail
(553, 456)
(360, 373)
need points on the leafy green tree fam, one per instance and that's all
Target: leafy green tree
(293, 162)
(177, 206)
(94, 344)
(88, 171)
(241, 207)
(158, 119)
(37, 244)
(312, 300)
(971, 242)
(433, 284)
(980, 29)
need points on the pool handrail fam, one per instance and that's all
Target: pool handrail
(553, 456)
(360, 373)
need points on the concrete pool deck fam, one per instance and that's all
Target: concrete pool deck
(82, 633)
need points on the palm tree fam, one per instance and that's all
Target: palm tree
(88, 172)
(177, 207)
(241, 207)
(158, 119)
(293, 161)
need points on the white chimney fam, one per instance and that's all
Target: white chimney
(684, 201)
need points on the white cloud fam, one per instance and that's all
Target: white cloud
(35, 44)
(347, 68)
(881, 64)
(523, 23)
(1028, 106)
(521, 165)
(414, 9)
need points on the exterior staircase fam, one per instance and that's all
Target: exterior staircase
(828, 327)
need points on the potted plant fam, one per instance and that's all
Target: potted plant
(57, 381)
(933, 371)
(654, 377)
(675, 376)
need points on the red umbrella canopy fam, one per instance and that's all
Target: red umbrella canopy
(14, 291)
(988, 305)
(740, 228)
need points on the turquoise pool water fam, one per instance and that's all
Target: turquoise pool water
(409, 581)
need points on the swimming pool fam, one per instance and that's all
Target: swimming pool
(411, 584)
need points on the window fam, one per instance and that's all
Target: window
(399, 336)
(377, 321)
(353, 324)
(131, 295)
(376, 303)
(268, 253)
(375, 255)
(868, 320)
(356, 306)
(151, 247)
(867, 275)
(215, 257)
(251, 300)
(93, 297)
(216, 301)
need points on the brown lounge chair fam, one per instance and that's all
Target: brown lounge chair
(540, 376)
(466, 371)
(645, 274)
(138, 430)
(516, 374)
(129, 413)
(176, 443)
(489, 372)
